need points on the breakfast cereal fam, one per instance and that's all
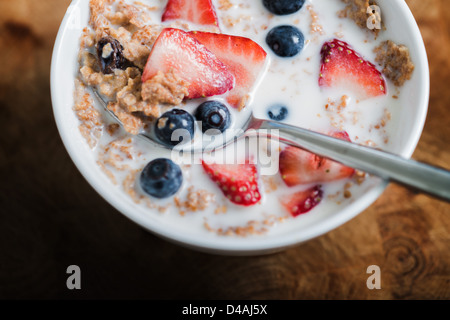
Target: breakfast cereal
(321, 83)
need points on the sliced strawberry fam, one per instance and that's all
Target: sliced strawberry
(243, 57)
(176, 50)
(238, 182)
(303, 201)
(344, 67)
(201, 12)
(298, 166)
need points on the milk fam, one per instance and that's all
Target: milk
(292, 82)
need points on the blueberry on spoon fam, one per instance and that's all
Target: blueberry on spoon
(213, 115)
(174, 127)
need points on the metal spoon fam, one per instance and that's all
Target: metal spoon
(388, 166)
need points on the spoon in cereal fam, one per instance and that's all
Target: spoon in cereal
(420, 176)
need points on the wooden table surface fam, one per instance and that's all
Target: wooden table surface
(51, 218)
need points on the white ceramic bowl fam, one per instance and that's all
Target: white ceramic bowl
(404, 29)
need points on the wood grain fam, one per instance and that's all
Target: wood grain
(51, 218)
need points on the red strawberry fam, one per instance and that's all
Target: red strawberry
(238, 182)
(176, 50)
(298, 166)
(244, 58)
(343, 66)
(303, 201)
(197, 11)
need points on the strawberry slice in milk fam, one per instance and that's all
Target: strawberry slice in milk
(238, 182)
(303, 201)
(200, 12)
(344, 67)
(244, 58)
(177, 51)
(298, 166)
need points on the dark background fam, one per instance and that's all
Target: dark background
(51, 218)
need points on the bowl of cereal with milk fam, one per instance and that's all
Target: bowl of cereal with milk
(190, 72)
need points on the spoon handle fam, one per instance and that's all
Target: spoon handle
(432, 180)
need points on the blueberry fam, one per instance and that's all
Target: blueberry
(213, 115)
(169, 122)
(110, 55)
(161, 178)
(278, 113)
(283, 7)
(285, 41)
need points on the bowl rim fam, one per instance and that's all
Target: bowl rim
(243, 247)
